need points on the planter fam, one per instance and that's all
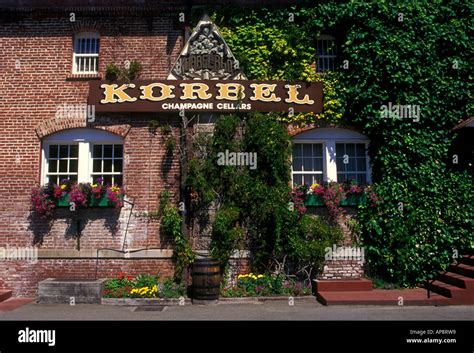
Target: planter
(351, 200)
(314, 200)
(354, 200)
(103, 201)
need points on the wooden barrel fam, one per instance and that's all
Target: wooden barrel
(206, 279)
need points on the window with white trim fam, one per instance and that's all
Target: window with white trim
(86, 53)
(326, 53)
(83, 155)
(330, 154)
(351, 161)
(107, 163)
(62, 162)
(307, 163)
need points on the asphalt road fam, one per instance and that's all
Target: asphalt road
(301, 310)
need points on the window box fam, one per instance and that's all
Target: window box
(103, 201)
(354, 200)
(314, 200)
(351, 200)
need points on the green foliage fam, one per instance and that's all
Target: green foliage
(130, 73)
(251, 285)
(226, 234)
(171, 227)
(421, 60)
(305, 241)
(143, 286)
(170, 289)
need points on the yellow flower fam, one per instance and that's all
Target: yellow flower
(94, 185)
(314, 185)
(260, 276)
(115, 189)
(63, 187)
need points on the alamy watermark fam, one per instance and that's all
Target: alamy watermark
(397, 111)
(237, 159)
(76, 111)
(344, 253)
(21, 253)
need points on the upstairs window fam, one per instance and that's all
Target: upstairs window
(86, 53)
(326, 53)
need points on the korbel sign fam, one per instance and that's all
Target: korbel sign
(207, 95)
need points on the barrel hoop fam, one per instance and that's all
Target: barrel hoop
(206, 273)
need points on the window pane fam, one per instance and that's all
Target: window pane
(318, 150)
(297, 179)
(53, 151)
(361, 179)
(63, 177)
(118, 166)
(339, 149)
(297, 150)
(73, 166)
(118, 179)
(350, 149)
(107, 179)
(63, 166)
(52, 166)
(307, 150)
(360, 149)
(97, 151)
(339, 164)
(97, 166)
(318, 164)
(107, 151)
(73, 178)
(307, 164)
(74, 151)
(63, 151)
(361, 164)
(298, 164)
(118, 151)
(107, 165)
(352, 164)
(53, 179)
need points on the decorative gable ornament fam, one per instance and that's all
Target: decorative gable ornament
(206, 56)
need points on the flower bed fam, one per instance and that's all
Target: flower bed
(46, 198)
(252, 285)
(143, 286)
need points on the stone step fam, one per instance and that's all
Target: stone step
(5, 294)
(63, 291)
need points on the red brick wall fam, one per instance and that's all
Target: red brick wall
(29, 96)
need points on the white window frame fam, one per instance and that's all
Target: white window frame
(93, 57)
(328, 137)
(85, 138)
(91, 159)
(329, 58)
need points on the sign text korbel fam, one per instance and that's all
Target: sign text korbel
(206, 95)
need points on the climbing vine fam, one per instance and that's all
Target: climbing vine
(401, 53)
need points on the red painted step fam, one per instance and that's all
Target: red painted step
(467, 259)
(342, 285)
(457, 280)
(5, 294)
(463, 269)
(403, 297)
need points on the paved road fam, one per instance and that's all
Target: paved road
(302, 310)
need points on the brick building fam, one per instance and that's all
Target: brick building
(50, 57)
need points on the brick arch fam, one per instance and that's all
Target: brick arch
(52, 126)
(85, 26)
(296, 129)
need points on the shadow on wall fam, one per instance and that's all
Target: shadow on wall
(76, 222)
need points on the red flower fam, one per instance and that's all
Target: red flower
(130, 278)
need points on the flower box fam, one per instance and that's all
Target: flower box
(354, 200)
(314, 200)
(351, 200)
(103, 201)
